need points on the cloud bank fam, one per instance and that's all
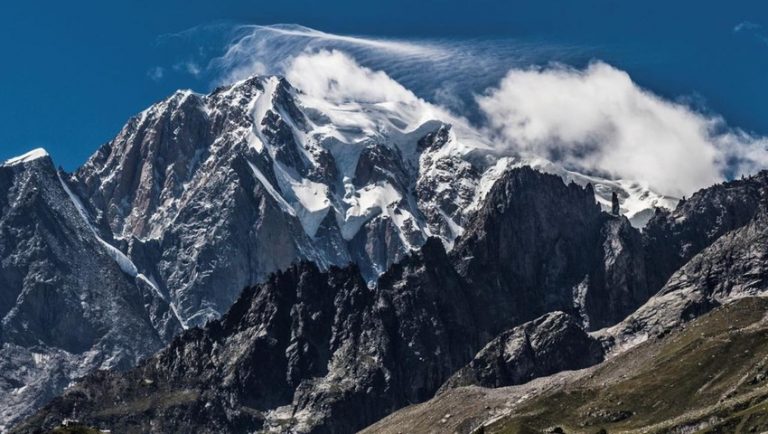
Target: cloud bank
(594, 119)
(599, 120)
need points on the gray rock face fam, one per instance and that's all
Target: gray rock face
(672, 238)
(732, 267)
(67, 307)
(189, 198)
(552, 343)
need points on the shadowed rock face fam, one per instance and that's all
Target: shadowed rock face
(552, 343)
(538, 246)
(317, 351)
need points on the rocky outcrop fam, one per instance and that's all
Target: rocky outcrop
(552, 343)
(618, 281)
(672, 238)
(709, 376)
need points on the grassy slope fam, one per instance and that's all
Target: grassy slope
(711, 376)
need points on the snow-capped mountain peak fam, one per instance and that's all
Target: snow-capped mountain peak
(352, 177)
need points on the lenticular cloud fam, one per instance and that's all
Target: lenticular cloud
(595, 119)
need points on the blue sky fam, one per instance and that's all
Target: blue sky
(74, 72)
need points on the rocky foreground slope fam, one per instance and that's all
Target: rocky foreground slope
(709, 377)
(315, 351)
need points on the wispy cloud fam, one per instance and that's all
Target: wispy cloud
(746, 25)
(753, 29)
(448, 71)
(190, 67)
(156, 73)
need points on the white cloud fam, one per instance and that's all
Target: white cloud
(334, 76)
(599, 120)
(156, 73)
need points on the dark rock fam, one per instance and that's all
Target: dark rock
(552, 343)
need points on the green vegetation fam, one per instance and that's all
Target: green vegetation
(155, 401)
(711, 376)
(75, 429)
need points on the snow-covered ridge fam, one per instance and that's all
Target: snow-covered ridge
(29, 156)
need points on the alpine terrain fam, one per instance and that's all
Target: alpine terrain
(261, 260)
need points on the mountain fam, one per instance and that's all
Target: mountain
(200, 196)
(70, 302)
(321, 351)
(210, 193)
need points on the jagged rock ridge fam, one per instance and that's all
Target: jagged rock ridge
(310, 351)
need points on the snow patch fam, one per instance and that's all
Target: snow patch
(259, 107)
(366, 203)
(310, 199)
(281, 202)
(29, 156)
